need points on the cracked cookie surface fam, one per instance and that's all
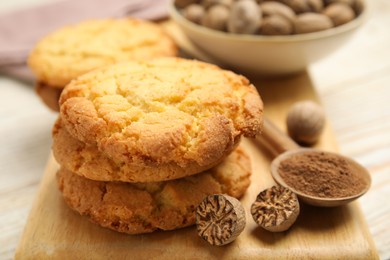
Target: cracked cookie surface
(87, 161)
(166, 111)
(146, 207)
(76, 49)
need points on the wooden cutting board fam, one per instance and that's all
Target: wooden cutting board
(53, 231)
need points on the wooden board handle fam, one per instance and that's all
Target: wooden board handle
(274, 140)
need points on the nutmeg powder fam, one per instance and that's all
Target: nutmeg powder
(321, 175)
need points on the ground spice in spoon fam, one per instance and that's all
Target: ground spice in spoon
(321, 174)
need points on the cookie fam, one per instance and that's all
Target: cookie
(76, 49)
(49, 95)
(144, 208)
(87, 161)
(184, 114)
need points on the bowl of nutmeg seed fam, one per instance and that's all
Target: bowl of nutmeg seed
(268, 37)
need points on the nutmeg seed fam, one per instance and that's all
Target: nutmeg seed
(305, 122)
(244, 17)
(276, 25)
(216, 17)
(316, 5)
(312, 22)
(194, 13)
(275, 209)
(303, 6)
(220, 219)
(339, 13)
(276, 8)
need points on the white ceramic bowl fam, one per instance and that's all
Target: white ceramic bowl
(266, 55)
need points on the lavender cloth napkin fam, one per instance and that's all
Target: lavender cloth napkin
(20, 30)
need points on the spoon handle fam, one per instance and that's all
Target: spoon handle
(274, 140)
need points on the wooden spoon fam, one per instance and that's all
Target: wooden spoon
(283, 147)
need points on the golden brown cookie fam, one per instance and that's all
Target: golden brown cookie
(76, 49)
(169, 111)
(143, 208)
(49, 95)
(87, 161)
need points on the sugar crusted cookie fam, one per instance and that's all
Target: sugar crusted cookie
(49, 95)
(168, 111)
(143, 208)
(87, 161)
(76, 49)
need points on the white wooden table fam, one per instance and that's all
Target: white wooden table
(354, 85)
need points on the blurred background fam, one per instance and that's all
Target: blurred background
(353, 83)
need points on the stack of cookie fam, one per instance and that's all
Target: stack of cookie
(141, 144)
(76, 49)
